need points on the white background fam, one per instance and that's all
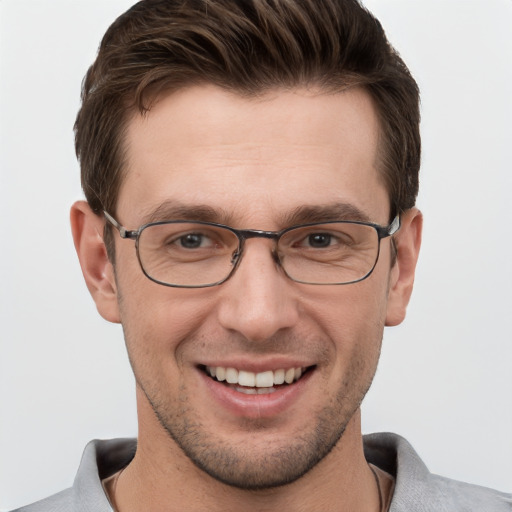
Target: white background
(445, 379)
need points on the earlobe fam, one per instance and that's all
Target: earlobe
(87, 229)
(408, 242)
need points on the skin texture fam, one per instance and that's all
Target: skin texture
(252, 163)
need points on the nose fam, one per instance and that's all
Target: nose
(258, 300)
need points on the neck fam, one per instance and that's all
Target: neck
(160, 474)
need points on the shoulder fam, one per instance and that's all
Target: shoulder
(101, 458)
(467, 497)
(60, 502)
(416, 489)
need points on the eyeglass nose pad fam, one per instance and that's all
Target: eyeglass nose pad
(235, 256)
(276, 257)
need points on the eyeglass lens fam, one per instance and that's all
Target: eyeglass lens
(194, 254)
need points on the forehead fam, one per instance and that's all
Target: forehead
(253, 158)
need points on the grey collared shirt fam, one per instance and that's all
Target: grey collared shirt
(416, 489)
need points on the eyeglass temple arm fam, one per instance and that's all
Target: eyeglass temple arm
(385, 231)
(123, 232)
(394, 226)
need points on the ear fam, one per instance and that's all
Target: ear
(408, 242)
(87, 229)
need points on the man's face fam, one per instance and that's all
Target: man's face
(252, 163)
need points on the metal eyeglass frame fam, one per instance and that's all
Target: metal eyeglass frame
(245, 234)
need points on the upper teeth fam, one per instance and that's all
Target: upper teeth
(259, 380)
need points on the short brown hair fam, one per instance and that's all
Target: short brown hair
(249, 47)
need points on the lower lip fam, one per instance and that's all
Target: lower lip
(256, 406)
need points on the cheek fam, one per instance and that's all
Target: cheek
(353, 310)
(353, 320)
(156, 319)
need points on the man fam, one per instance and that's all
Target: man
(250, 173)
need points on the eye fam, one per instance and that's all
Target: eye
(194, 241)
(324, 238)
(319, 240)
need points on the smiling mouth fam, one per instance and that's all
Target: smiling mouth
(252, 383)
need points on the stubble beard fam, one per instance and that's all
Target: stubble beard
(251, 467)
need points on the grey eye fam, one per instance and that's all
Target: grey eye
(191, 240)
(319, 240)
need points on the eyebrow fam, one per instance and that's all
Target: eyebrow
(324, 213)
(172, 210)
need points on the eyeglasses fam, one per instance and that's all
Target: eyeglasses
(195, 254)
